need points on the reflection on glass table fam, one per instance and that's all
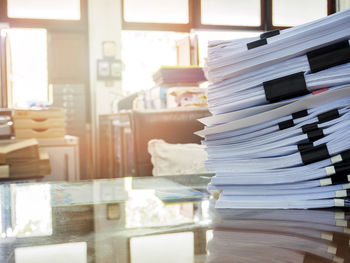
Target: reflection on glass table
(26, 210)
(170, 219)
(281, 236)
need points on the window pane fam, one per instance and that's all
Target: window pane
(156, 11)
(44, 9)
(296, 12)
(228, 12)
(159, 48)
(343, 4)
(28, 66)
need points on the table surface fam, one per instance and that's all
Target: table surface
(168, 219)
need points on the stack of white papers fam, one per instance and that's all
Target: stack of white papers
(279, 134)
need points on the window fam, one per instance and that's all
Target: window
(158, 48)
(231, 13)
(258, 15)
(44, 9)
(296, 12)
(209, 19)
(28, 67)
(156, 11)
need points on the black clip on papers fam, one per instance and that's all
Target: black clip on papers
(341, 157)
(305, 146)
(348, 195)
(342, 168)
(345, 156)
(309, 127)
(335, 180)
(299, 114)
(328, 116)
(340, 179)
(257, 43)
(315, 135)
(329, 56)
(285, 124)
(284, 88)
(271, 33)
(347, 202)
(314, 154)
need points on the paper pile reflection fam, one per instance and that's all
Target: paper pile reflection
(280, 236)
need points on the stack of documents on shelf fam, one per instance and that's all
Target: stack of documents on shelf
(39, 123)
(279, 134)
(184, 80)
(168, 75)
(155, 98)
(22, 159)
(186, 97)
(305, 236)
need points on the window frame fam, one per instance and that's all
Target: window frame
(50, 24)
(331, 9)
(195, 13)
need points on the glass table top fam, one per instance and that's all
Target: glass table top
(158, 219)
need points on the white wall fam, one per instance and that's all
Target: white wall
(104, 25)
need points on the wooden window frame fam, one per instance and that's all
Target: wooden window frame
(194, 16)
(50, 24)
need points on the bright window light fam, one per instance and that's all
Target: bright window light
(231, 13)
(296, 12)
(28, 67)
(156, 11)
(44, 9)
(158, 48)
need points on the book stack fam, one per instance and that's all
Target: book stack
(39, 123)
(186, 97)
(279, 134)
(305, 236)
(168, 79)
(179, 76)
(21, 159)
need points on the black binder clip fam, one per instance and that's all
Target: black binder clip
(315, 154)
(287, 87)
(256, 43)
(271, 33)
(329, 56)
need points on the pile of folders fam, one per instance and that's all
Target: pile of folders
(279, 134)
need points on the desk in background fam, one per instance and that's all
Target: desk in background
(124, 138)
